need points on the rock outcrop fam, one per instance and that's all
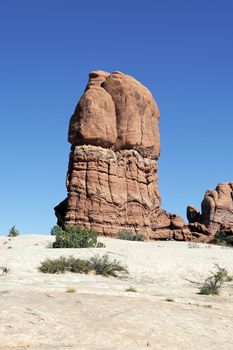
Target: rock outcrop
(216, 212)
(217, 208)
(112, 179)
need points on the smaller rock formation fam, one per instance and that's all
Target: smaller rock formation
(193, 215)
(217, 208)
(216, 212)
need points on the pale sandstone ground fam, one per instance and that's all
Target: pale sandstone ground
(37, 313)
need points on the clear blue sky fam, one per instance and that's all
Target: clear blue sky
(181, 50)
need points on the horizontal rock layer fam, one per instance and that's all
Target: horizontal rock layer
(111, 190)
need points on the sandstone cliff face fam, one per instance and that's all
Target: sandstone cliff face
(111, 190)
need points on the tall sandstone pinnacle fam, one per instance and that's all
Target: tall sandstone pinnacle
(112, 179)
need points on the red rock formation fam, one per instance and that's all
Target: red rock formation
(112, 179)
(217, 208)
(193, 215)
(216, 214)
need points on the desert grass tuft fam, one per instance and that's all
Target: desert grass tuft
(131, 289)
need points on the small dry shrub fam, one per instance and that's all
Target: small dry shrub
(102, 265)
(129, 236)
(213, 283)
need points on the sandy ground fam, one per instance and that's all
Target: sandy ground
(37, 313)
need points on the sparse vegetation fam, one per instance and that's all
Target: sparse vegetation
(101, 265)
(213, 283)
(170, 300)
(55, 230)
(223, 238)
(3, 270)
(75, 237)
(13, 232)
(193, 245)
(129, 236)
(70, 290)
(131, 289)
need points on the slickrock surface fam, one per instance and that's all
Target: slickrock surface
(165, 312)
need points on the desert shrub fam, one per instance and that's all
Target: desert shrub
(170, 300)
(101, 265)
(213, 283)
(223, 238)
(193, 245)
(77, 265)
(131, 290)
(75, 237)
(139, 237)
(55, 230)
(59, 265)
(13, 232)
(4, 269)
(129, 236)
(70, 290)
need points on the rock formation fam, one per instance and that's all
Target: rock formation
(112, 179)
(216, 210)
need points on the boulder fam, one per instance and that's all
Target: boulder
(193, 215)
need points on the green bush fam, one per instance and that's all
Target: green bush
(75, 237)
(13, 232)
(62, 264)
(223, 238)
(129, 236)
(213, 283)
(56, 230)
(101, 265)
